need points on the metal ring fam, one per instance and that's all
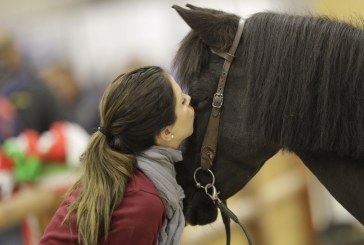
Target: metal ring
(198, 184)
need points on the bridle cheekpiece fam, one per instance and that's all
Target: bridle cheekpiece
(209, 144)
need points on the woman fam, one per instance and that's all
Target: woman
(128, 193)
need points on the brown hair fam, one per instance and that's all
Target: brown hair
(133, 109)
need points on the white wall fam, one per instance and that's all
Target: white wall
(100, 38)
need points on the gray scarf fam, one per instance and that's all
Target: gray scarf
(157, 163)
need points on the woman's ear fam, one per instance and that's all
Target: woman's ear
(164, 137)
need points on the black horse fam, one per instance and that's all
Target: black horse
(296, 84)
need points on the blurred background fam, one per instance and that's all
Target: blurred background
(63, 53)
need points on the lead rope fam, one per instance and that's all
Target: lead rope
(226, 220)
(226, 213)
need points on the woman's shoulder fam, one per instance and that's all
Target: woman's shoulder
(141, 211)
(140, 182)
(141, 197)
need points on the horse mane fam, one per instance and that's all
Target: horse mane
(304, 77)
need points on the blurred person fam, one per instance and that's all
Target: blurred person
(128, 193)
(79, 104)
(32, 104)
(25, 103)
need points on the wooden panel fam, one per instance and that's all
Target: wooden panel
(342, 9)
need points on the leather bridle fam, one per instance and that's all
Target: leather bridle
(209, 145)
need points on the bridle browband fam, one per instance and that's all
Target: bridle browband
(209, 145)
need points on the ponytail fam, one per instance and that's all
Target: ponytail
(102, 187)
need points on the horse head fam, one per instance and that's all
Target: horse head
(296, 83)
(239, 154)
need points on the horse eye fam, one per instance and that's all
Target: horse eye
(199, 104)
(193, 102)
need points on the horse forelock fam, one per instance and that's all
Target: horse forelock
(193, 52)
(188, 60)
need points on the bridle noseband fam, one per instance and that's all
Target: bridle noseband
(209, 145)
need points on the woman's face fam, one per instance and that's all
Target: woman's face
(183, 126)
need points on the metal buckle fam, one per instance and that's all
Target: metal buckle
(218, 100)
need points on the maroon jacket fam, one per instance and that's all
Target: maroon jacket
(137, 220)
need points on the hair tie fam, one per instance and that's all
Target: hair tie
(104, 131)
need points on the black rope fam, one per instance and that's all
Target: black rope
(226, 220)
(230, 215)
(226, 213)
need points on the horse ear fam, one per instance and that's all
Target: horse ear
(214, 11)
(204, 22)
(194, 7)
